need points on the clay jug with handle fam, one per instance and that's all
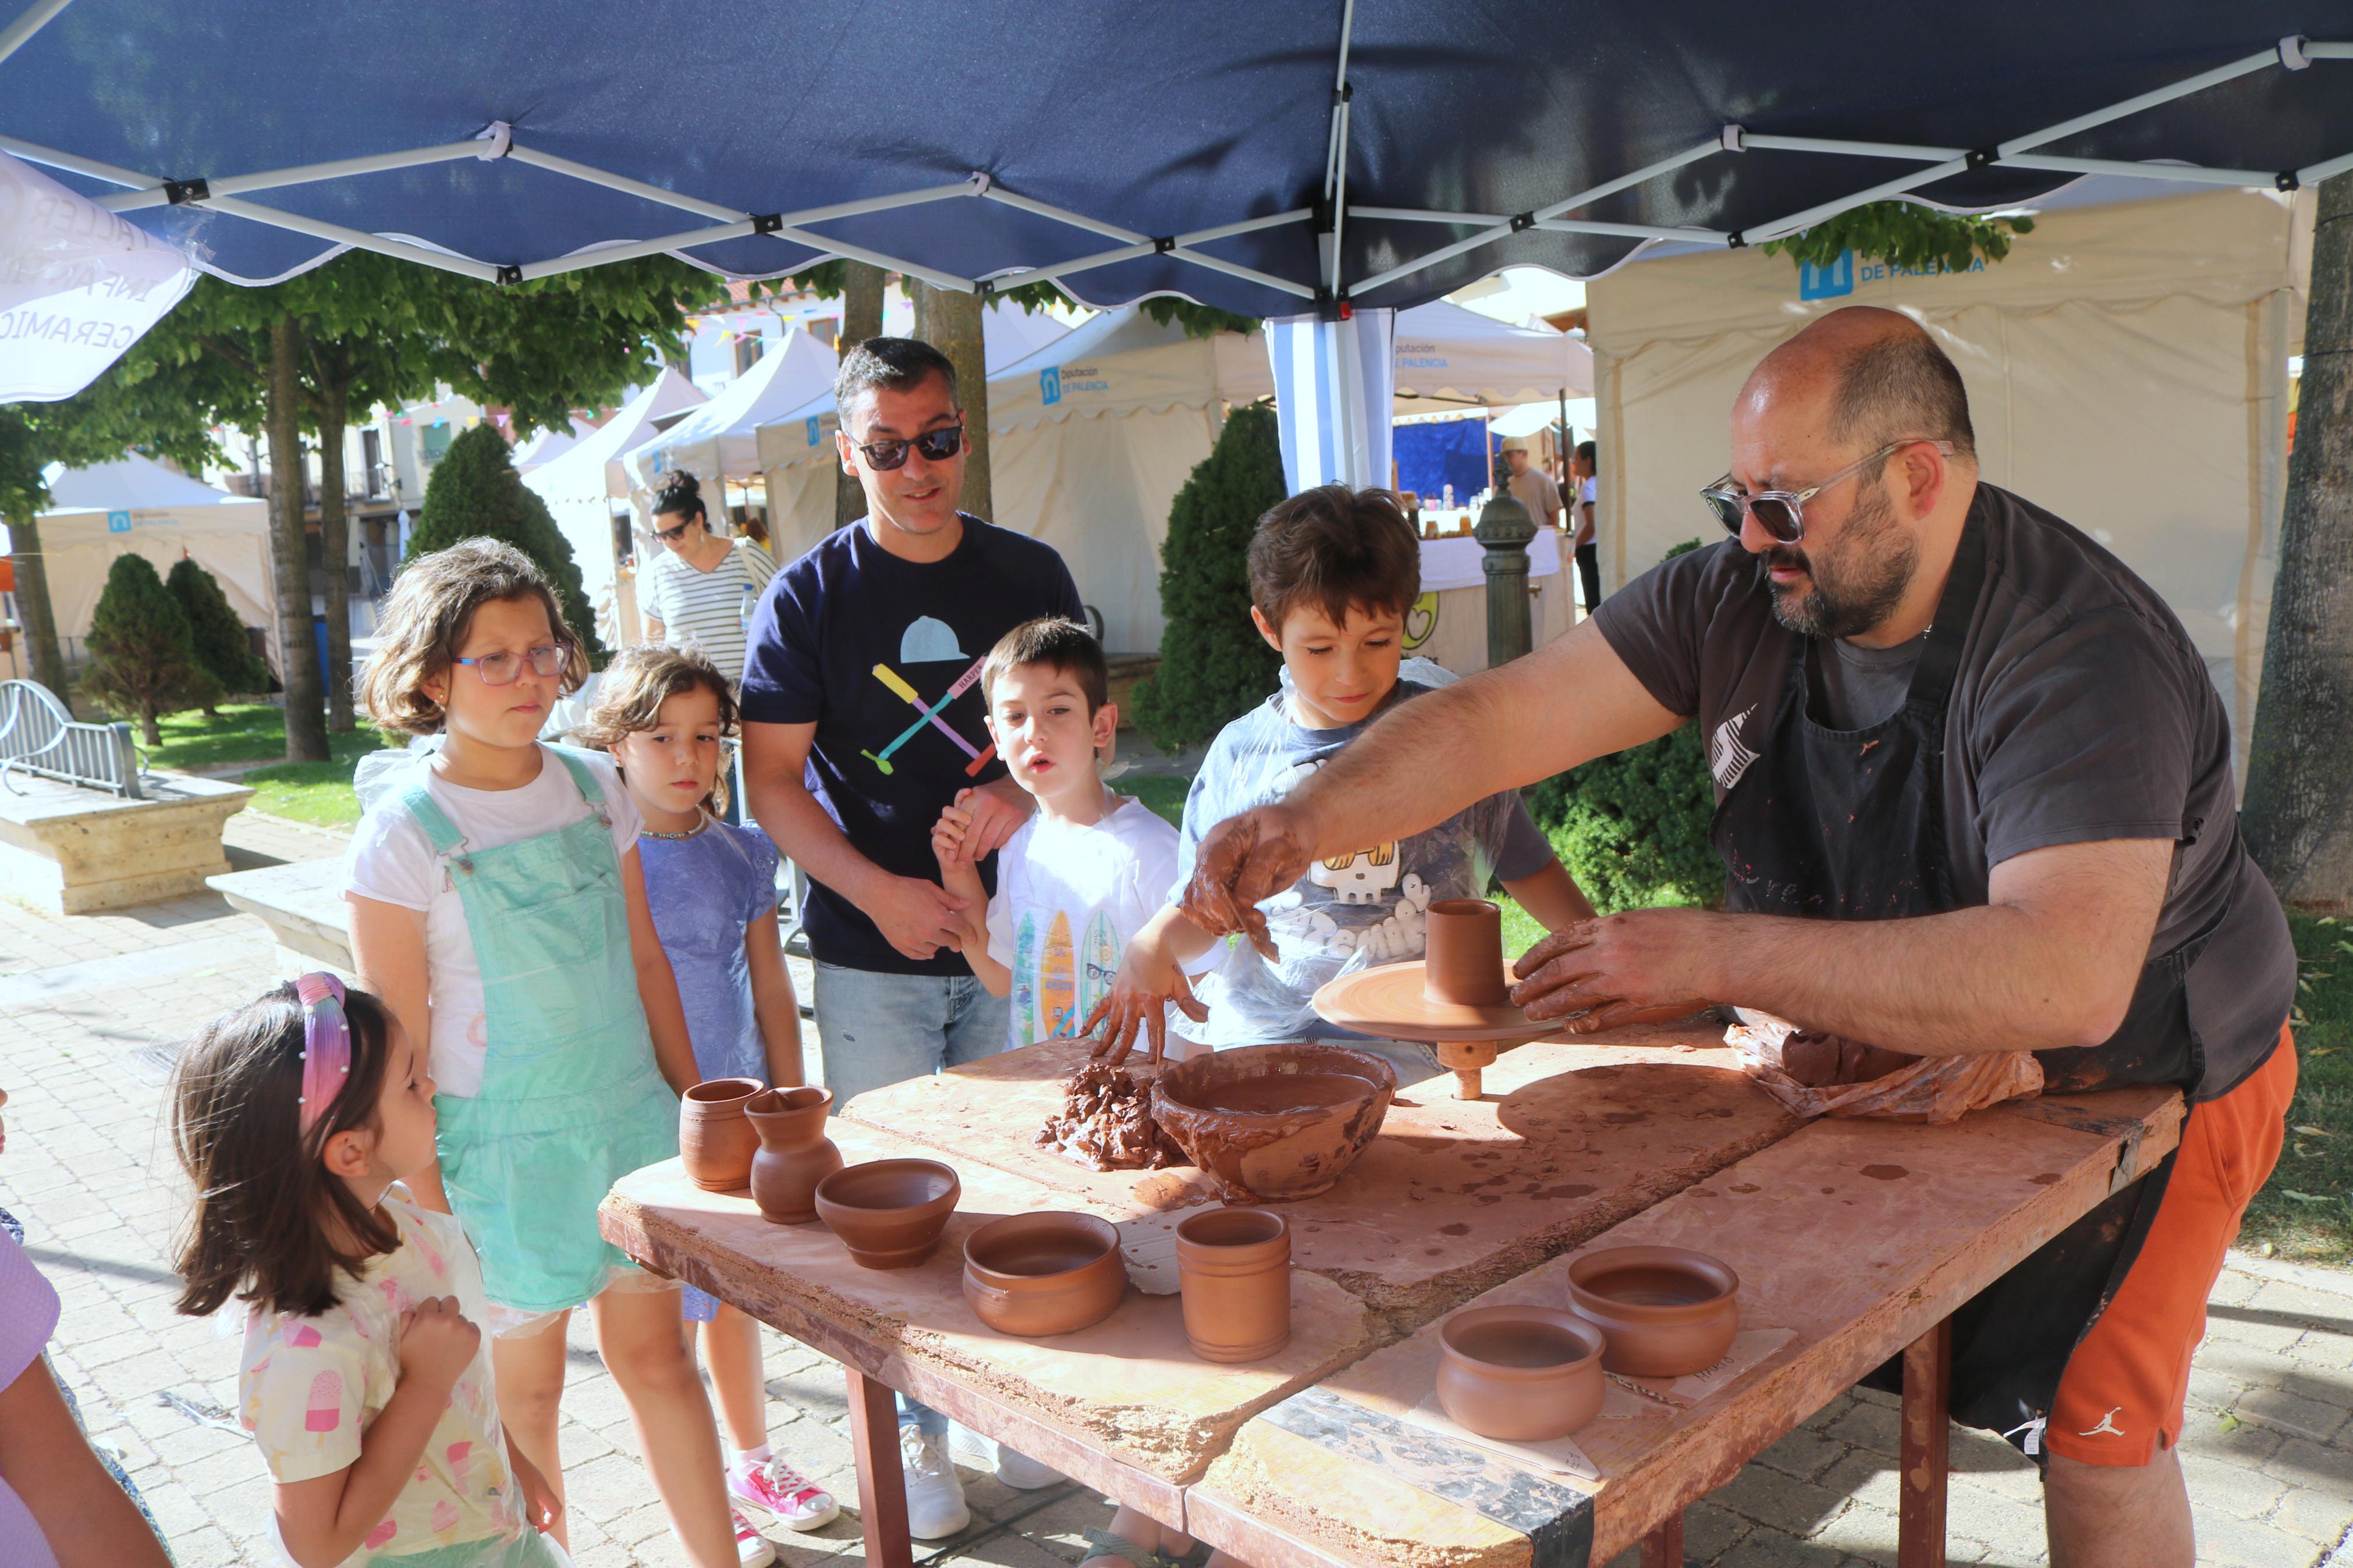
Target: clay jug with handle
(795, 1154)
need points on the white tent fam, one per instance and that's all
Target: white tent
(133, 506)
(716, 441)
(2127, 367)
(543, 448)
(1444, 354)
(581, 486)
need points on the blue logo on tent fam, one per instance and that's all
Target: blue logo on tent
(812, 429)
(118, 522)
(1827, 282)
(1049, 384)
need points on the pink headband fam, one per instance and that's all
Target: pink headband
(326, 1044)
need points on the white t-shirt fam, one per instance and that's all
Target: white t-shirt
(1068, 899)
(393, 862)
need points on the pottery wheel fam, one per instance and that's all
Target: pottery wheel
(1387, 1000)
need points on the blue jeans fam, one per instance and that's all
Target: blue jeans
(875, 1029)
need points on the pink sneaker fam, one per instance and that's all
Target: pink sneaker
(783, 1493)
(752, 1549)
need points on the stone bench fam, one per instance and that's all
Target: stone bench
(302, 905)
(70, 850)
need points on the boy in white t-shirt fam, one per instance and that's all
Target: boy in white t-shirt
(1083, 875)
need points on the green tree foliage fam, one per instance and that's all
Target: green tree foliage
(1214, 666)
(216, 636)
(1903, 235)
(1632, 827)
(475, 493)
(143, 659)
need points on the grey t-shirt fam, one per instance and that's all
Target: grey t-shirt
(2080, 712)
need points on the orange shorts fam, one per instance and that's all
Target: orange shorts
(2122, 1391)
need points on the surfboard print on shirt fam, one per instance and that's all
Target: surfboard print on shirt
(1058, 992)
(1024, 979)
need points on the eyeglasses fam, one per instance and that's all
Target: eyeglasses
(936, 446)
(503, 669)
(671, 536)
(1781, 513)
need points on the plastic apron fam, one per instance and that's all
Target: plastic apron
(571, 1099)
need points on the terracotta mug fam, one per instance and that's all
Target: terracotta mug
(1464, 961)
(714, 1140)
(795, 1154)
(1233, 1265)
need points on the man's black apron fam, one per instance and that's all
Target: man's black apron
(1849, 825)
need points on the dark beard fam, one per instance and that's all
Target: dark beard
(1859, 587)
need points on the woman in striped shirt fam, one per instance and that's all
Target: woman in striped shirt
(697, 593)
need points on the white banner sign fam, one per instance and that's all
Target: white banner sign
(78, 286)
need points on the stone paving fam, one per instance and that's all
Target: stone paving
(89, 1008)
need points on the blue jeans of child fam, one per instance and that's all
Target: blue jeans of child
(875, 1029)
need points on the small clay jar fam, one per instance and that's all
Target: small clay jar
(1665, 1311)
(1044, 1273)
(1233, 1265)
(715, 1141)
(889, 1213)
(1520, 1375)
(1464, 961)
(795, 1154)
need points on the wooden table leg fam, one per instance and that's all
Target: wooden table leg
(882, 1484)
(1467, 1058)
(1928, 1434)
(1663, 1547)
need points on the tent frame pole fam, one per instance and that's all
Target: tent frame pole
(33, 19)
(1142, 246)
(159, 196)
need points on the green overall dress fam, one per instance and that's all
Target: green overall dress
(570, 1099)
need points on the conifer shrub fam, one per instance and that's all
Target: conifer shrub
(475, 493)
(1214, 666)
(216, 636)
(142, 655)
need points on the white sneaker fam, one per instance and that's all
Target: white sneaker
(935, 1505)
(752, 1548)
(1024, 1474)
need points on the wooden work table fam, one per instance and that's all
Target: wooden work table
(1859, 1236)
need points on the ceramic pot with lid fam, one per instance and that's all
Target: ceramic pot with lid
(794, 1154)
(715, 1143)
(1666, 1311)
(1233, 1267)
(1520, 1375)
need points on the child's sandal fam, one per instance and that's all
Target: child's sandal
(1104, 1543)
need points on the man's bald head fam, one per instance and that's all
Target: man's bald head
(1877, 377)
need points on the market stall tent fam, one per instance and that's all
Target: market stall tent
(1444, 354)
(2126, 368)
(715, 441)
(135, 507)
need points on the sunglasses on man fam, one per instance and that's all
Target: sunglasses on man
(936, 446)
(1781, 513)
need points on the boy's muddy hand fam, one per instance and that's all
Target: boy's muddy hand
(437, 1342)
(1146, 984)
(1242, 861)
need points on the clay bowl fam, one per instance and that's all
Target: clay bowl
(1665, 1312)
(889, 1213)
(1274, 1122)
(1520, 1375)
(1044, 1273)
(715, 1142)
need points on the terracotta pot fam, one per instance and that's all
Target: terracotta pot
(889, 1213)
(795, 1154)
(1520, 1375)
(1233, 1265)
(715, 1141)
(1274, 1122)
(1464, 962)
(1665, 1312)
(1043, 1273)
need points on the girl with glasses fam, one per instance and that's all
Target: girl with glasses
(499, 909)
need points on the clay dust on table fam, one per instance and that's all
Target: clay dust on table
(1105, 1123)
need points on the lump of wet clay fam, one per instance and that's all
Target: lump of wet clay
(1105, 1123)
(1819, 1061)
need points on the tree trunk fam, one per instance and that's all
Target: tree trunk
(149, 730)
(335, 547)
(306, 716)
(862, 318)
(2299, 807)
(949, 319)
(48, 658)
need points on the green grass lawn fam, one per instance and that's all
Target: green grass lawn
(318, 793)
(1165, 793)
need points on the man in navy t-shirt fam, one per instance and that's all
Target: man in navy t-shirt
(862, 716)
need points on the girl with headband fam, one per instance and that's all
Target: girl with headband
(365, 1377)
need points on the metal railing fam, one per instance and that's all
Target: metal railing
(39, 735)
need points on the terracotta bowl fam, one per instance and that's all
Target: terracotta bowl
(1044, 1273)
(889, 1213)
(1274, 1122)
(1665, 1312)
(1520, 1375)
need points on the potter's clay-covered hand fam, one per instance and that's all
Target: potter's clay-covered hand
(1631, 968)
(1242, 861)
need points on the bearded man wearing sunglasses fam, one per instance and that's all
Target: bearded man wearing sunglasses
(1973, 784)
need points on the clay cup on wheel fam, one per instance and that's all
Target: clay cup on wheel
(889, 1213)
(795, 1154)
(1666, 1311)
(715, 1143)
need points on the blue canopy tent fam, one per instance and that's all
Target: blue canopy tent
(1267, 160)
